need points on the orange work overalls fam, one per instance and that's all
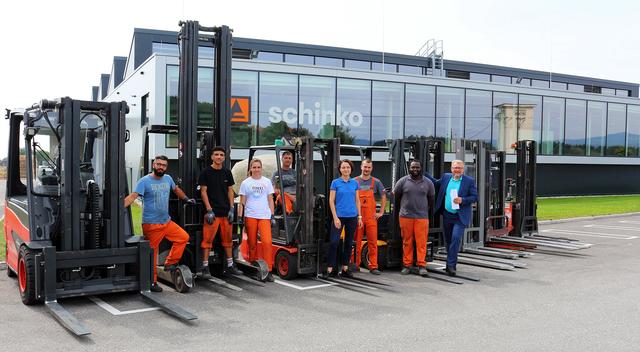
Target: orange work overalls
(368, 211)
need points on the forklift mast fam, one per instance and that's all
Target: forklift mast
(525, 221)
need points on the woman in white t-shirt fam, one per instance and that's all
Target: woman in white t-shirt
(256, 200)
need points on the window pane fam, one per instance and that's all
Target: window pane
(387, 112)
(479, 77)
(633, 130)
(608, 91)
(361, 65)
(278, 109)
(500, 79)
(420, 111)
(318, 106)
(328, 61)
(574, 142)
(267, 56)
(596, 127)
(553, 126)
(165, 49)
(449, 115)
(478, 115)
(245, 84)
(521, 81)
(616, 123)
(505, 106)
(354, 96)
(558, 85)
(206, 52)
(575, 88)
(413, 70)
(457, 74)
(298, 59)
(171, 104)
(205, 96)
(622, 92)
(377, 66)
(529, 117)
(540, 84)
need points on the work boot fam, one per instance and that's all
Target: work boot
(422, 271)
(232, 270)
(346, 274)
(155, 287)
(204, 272)
(405, 271)
(170, 267)
(375, 271)
(270, 277)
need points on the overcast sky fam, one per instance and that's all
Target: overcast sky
(60, 48)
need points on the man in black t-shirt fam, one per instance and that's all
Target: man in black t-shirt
(217, 195)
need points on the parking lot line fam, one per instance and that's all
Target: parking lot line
(113, 310)
(303, 288)
(625, 228)
(629, 222)
(614, 236)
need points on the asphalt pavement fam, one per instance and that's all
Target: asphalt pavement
(579, 301)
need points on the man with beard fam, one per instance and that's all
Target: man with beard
(287, 175)
(369, 187)
(156, 223)
(456, 193)
(414, 193)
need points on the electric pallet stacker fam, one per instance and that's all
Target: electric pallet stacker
(193, 137)
(67, 231)
(524, 233)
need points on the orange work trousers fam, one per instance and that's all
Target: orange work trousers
(209, 232)
(370, 226)
(154, 233)
(414, 230)
(263, 226)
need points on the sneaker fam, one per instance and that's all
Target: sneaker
(232, 270)
(170, 267)
(422, 271)
(405, 271)
(346, 274)
(270, 277)
(204, 272)
(156, 288)
(375, 271)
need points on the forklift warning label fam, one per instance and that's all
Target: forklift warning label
(240, 109)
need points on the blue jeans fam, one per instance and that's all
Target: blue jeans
(349, 225)
(453, 232)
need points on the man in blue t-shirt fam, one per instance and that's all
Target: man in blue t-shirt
(456, 193)
(154, 189)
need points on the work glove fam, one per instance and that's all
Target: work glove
(210, 217)
(273, 221)
(189, 200)
(231, 215)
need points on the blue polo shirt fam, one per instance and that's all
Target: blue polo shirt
(345, 197)
(453, 184)
(155, 198)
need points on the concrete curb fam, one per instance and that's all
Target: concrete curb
(560, 221)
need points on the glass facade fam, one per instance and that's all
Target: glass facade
(369, 112)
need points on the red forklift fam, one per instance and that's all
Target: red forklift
(67, 231)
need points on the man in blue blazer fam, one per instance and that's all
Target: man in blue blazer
(456, 193)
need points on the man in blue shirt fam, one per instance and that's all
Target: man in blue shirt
(154, 189)
(456, 193)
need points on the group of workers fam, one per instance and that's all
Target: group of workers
(353, 204)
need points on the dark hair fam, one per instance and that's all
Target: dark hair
(218, 149)
(416, 161)
(286, 152)
(367, 160)
(345, 161)
(161, 157)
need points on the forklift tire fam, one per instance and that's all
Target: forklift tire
(286, 265)
(27, 276)
(364, 257)
(178, 282)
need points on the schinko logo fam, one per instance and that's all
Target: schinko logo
(315, 116)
